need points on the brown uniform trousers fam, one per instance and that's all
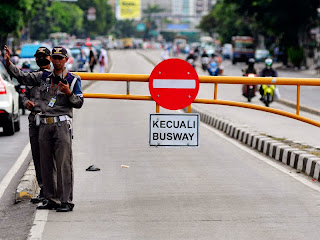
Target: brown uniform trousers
(56, 152)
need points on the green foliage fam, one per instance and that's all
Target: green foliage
(105, 18)
(56, 17)
(225, 19)
(286, 18)
(150, 23)
(50, 16)
(296, 55)
(14, 14)
(124, 28)
(66, 17)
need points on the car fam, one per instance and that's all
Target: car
(227, 51)
(80, 56)
(30, 62)
(209, 49)
(261, 54)
(9, 104)
(71, 65)
(28, 50)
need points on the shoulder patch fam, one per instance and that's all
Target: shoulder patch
(74, 75)
(46, 73)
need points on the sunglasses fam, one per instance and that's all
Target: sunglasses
(57, 57)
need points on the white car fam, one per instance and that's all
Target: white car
(9, 104)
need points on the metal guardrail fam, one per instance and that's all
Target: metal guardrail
(209, 80)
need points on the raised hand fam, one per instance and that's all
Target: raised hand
(7, 55)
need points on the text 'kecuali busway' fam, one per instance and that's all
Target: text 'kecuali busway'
(176, 130)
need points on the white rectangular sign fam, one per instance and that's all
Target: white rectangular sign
(174, 83)
(174, 130)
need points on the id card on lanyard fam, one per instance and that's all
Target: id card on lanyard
(52, 101)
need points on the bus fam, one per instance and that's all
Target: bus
(242, 48)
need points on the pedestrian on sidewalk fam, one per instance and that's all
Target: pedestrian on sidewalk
(102, 64)
(92, 59)
(60, 92)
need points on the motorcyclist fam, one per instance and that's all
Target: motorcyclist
(250, 68)
(191, 58)
(204, 54)
(268, 71)
(248, 90)
(204, 60)
(25, 66)
(213, 69)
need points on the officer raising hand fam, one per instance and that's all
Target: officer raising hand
(60, 92)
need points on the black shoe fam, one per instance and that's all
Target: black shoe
(48, 204)
(37, 199)
(65, 207)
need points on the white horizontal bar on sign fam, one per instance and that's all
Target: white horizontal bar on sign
(174, 83)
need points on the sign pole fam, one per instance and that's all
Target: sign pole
(189, 108)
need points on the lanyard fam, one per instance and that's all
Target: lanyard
(54, 89)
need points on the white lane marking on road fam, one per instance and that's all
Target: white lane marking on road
(266, 160)
(174, 83)
(39, 223)
(14, 169)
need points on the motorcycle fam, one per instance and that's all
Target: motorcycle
(21, 90)
(266, 92)
(213, 69)
(249, 90)
(204, 63)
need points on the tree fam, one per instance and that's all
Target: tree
(286, 18)
(105, 18)
(56, 17)
(66, 17)
(150, 23)
(124, 28)
(226, 20)
(14, 14)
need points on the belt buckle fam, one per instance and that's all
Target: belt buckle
(49, 120)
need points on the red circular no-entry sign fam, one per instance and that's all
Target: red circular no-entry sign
(174, 84)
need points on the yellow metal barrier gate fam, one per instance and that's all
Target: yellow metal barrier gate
(209, 80)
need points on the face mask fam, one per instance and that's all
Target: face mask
(42, 62)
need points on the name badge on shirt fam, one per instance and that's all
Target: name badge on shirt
(52, 102)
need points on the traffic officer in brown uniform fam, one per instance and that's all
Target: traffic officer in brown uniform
(31, 102)
(60, 92)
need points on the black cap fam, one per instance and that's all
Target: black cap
(42, 50)
(59, 51)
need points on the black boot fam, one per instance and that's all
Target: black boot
(37, 199)
(65, 207)
(48, 204)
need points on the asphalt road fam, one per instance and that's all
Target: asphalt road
(220, 190)
(217, 191)
(15, 219)
(267, 123)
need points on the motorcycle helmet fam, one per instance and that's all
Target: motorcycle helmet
(213, 64)
(268, 62)
(26, 65)
(251, 61)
